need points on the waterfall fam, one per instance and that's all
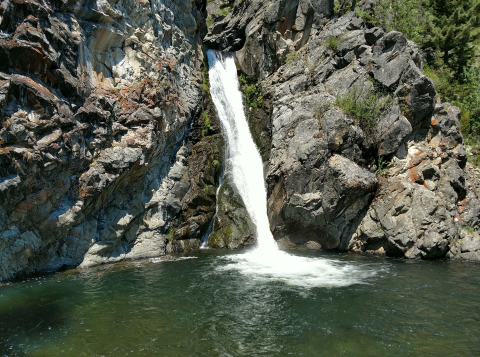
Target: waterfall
(244, 165)
(243, 159)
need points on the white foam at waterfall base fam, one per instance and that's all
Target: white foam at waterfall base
(244, 166)
(307, 272)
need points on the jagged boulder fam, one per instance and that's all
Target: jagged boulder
(326, 212)
(469, 207)
(466, 247)
(407, 219)
(417, 212)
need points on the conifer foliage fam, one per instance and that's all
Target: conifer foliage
(453, 24)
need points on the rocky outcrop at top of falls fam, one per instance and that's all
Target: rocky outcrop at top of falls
(110, 149)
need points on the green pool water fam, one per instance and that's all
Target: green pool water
(214, 306)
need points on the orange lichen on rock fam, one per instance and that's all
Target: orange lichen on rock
(413, 175)
(417, 158)
(462, 205)
(6, 150)
(83, 193)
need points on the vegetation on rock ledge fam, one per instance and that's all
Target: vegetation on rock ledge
(253, 91)
(448, 33)
(364, 105)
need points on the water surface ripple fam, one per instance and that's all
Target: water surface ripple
(207, 307)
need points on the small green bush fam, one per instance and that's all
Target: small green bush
(469, 229)
(253, 91)
(319, 111)
(209, 20)
(224, 12)
(206, 123)
(383, 166)
(333, 42)
(342, 6)
(290, 57)
(474, 143)
(364, 105)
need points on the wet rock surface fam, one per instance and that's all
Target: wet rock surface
(232, 227)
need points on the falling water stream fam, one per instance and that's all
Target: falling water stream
(244, 165)
(243, 160)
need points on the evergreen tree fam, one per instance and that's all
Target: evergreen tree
(452, 25)
(471, 101)
(407, 16)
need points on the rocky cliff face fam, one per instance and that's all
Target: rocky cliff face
(97, 100)
(389, 180)
(110, 150)
(264, 32)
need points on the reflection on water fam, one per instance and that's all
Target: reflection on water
(215, 306)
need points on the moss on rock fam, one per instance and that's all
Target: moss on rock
(232, 227)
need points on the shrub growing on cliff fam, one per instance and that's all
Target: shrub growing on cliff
(333, 42)
(226, 7)
(474, 147)
(290, 57)
(383, 166)
(319, 111)
(406, 16)
(365, 105)
(343, 6)
(253, 91)
(206, 123)
(448, 32)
